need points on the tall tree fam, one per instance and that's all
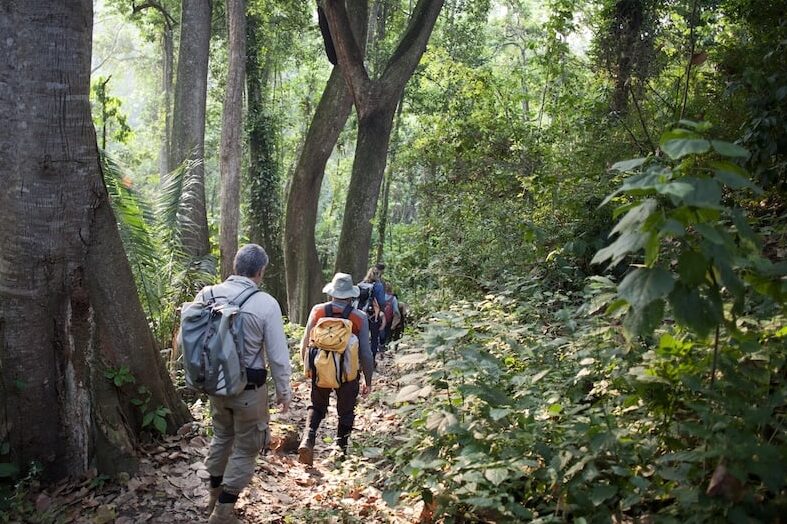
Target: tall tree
(167, 27)
(264, 214)
(375, 103)
(231, 135)
(304, 275)
(188, 122)
(69, 311)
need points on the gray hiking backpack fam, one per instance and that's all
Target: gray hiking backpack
(211, 338)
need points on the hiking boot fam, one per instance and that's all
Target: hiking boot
(213, 497)
(224, 513)
(342, 437)
(306, 448)
(306, 451)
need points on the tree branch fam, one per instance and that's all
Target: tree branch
(408, 53)
(348, 52)
(168, 20)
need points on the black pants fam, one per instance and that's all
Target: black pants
(374, 333)
(346, 397)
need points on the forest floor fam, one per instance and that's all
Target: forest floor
(171, 484)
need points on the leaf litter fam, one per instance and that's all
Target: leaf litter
(171, 482)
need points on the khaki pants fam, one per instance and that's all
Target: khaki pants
(240, 429)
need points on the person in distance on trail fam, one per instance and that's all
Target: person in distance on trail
(392, 316)
(341, 293)
(240, 423)
(372, 302)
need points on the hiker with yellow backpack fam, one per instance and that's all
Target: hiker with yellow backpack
(334, 349)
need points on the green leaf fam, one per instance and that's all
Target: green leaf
(8, 470)
(706, 193)
(692, 310)
(692, 268)
(635, 217)
(498, 413)
(441, 421)
(642, 321)
(160, 424)
(628, 165)
(601, 493)
(555, 409)
(672, 227)
(391, 497)
(729, 149)
(644, 285)
(733, 176)
(628, 242)
(148, 418)
(680, 142)
(496, 475)
(710, 233)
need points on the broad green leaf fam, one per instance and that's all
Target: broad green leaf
(391, 497)
(700, 127)
(644, 285)
(672, 227)
(160, 424)
(628, 165)
(710, 233)
(642, 321)
(692, 310)
(496, 475)
(706, 193)
(601, 493)
(635, 217)
(412, 392)
(676, 188)
(744, 229)
(692, 268)
(728, 149)
(148, 418)
(441, 421)
(733, 176)
(628, 242)
(616, 305)
(498, 413)
(680, 142)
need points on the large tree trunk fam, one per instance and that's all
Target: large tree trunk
(371, 152)
(69, 311)
(375, 103)
(304, 275)
(231, 136)
(264, 217)
(188, 122)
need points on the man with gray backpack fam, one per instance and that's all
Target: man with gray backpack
(227, 334)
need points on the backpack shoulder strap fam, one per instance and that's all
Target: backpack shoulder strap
(244, 295)
(328, 310)
(347, 310)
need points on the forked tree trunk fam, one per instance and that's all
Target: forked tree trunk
(375, 102)
(69, 310)
(188, 122)
(231, 136)
(304, 275)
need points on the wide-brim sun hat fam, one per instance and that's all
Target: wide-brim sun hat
(341, 287)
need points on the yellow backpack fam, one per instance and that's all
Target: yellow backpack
(333, 350)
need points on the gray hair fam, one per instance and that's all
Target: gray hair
(250, 260)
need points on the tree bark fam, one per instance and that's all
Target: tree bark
(375, 103)
(188, 122)
(69, 309)
(167, 82)
(264, 217)
(231, 136)
(304, 276)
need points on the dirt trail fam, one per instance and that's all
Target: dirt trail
(171, 484)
